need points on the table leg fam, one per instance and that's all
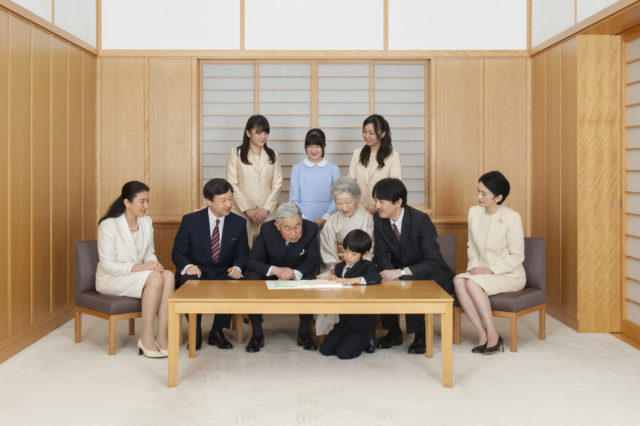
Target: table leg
(174, 329)
(429, 336)
(192, 335)
(446, 332)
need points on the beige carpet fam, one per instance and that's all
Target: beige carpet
(569, 379)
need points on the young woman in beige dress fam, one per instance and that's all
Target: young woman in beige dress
(495, 250)
(254, 171)
(374, 161)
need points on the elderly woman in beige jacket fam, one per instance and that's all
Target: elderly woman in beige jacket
(374, 161)
(254, 171)
(496, 252)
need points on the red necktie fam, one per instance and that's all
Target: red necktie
(395, 229)
(215, 242)
(346, 271)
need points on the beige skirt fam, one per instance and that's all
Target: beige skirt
(494, 284)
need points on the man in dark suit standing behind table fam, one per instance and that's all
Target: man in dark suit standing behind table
(211, 244)
(286, 249)
(406, 249)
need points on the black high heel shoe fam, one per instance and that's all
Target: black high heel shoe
(479, 349)
(494, 349)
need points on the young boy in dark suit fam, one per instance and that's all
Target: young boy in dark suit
(352, 334)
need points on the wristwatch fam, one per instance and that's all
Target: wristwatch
(402, 272)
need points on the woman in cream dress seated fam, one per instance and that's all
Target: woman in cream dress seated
(129, 267)
(350, 215)
(254, 171)
(495, 251)
(375, 160)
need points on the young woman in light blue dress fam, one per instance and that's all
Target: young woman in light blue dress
(312, 180)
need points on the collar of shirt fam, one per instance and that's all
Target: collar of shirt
(212, 222)
(398, 222)
(322, 163)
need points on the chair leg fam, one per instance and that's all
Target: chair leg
(132, 326)
(78, 323)
(237, 320)
(430, 335)
(542, 326)
(112, 336)
(456, 324)
(514, 333)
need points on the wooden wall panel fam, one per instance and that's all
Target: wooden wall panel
(59, 206)
(164, 232)
(598, 155)
(553, 164)
(569, 175)
(170, 137)
(74, 146)
(41, 176)
(20, 175)
(90, 187)
(537, 160)
(505, 126)
(122, 153)
(4, 175)
(457, 134)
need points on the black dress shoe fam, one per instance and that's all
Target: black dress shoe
(479, 349)
(306, 342)
(217, 339)
(493, 349)
(387, 341)
(255, 343)
(371, 347)
(418, 346)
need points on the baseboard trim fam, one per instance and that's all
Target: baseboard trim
(630, 330)
(15, 345)
(560, 313)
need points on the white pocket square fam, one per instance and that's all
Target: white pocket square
(302, 252)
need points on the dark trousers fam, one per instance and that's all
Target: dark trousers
(345, 342)
(256, 319)
(220, 321)
(415, 323)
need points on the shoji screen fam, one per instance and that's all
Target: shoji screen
(631, 304)
(335, 97)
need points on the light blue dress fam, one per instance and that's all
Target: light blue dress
(310, 188)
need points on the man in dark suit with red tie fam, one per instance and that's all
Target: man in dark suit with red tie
(211, 244)
(405, 248)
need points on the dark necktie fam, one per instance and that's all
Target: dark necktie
(395, 230)
(346, 271)
(215, 242)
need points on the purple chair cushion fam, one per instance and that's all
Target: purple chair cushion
(515, 301)
(447, 243)
(107, 304)
(86, 296)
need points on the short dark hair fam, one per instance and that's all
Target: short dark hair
(315, 137)
(357, 241)
(496, 183)
(215, 187)
(390, 189)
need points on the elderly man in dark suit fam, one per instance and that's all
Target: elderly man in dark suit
(405, 248)
(211, 244)
(286, 249)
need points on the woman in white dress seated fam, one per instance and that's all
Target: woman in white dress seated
(495, 250)
(129, 267)
(350, 215)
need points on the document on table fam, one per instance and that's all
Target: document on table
(303, 284)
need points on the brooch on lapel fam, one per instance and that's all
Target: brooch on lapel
(499, 220)
(302, 252)
(234, 239)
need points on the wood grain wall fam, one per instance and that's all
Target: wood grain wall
(575, 173)
(47, 185)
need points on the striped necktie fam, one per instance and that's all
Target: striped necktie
(346, 271)
(395, 230)
(215, 242)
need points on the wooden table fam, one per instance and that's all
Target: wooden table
(253, 297)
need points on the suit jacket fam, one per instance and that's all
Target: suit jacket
(368, 176)
(364, 268)
(270, 249)
(118, 253)
(192, 245)
(417, 249)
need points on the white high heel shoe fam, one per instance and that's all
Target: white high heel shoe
(164, 352)
(148, 353)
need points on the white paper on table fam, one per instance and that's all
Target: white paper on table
(303, 284)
